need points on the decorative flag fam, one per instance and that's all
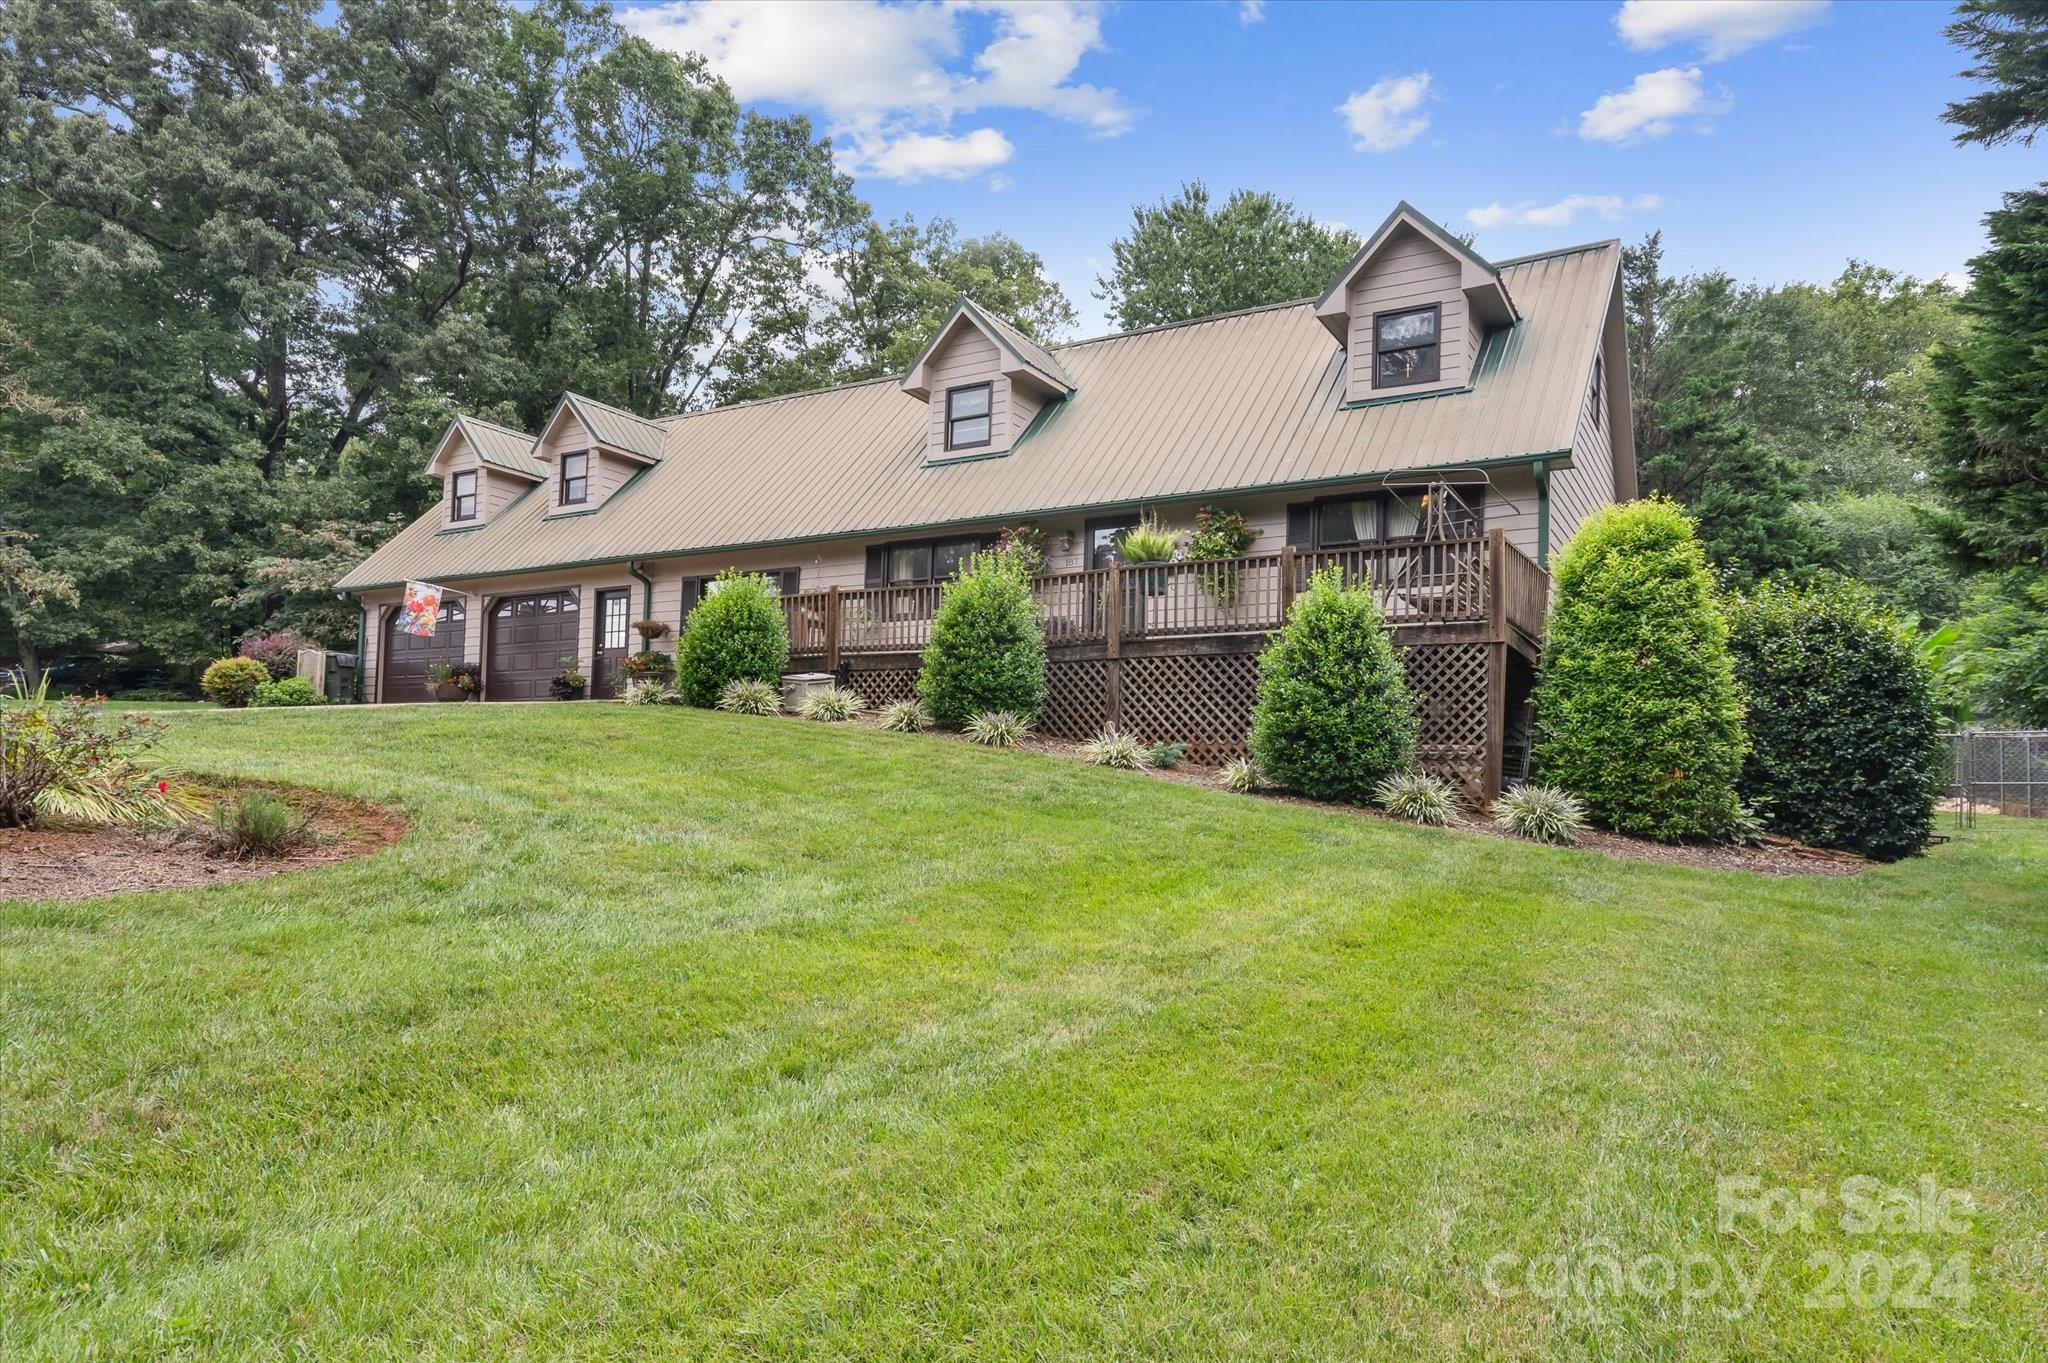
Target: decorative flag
(421, 608)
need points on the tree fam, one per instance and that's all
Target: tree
(1181, 259)
(2004, 647)
(1989, 392)
(27, 591)
(2010, 41)
(1637, 712)
(1333, 718)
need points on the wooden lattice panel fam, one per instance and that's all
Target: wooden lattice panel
(1448, 684)
(1202, 700)
(1075, 695)
(880, 686)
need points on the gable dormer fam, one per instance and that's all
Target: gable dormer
(1412, 310)
(588, 451)
(483, 467)
(984, 381)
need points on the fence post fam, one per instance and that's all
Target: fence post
(1497, 582)
(1287, 571)
(832, 629)
(1112, 644)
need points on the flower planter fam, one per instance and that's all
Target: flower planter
(449, 691)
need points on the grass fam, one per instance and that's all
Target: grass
(677, 1034)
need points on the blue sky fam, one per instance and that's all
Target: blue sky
(1771, 138)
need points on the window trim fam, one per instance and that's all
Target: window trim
(1436, 347)
(986, 385)
(563, 479)
(456, 495)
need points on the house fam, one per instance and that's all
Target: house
(1436, 421)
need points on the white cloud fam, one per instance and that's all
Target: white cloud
(1649, 107)
(1383, 118)
(1250, 11)
(998, 183)
(1561, 213)
(1721, 27)
(888, 78)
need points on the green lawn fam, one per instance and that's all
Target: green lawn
(673, 1034)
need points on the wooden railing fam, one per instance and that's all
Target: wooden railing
(1480, 581)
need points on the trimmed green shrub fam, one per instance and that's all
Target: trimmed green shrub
(736, 633)
(289, 692)
(1543, 813)
(1636, 708)
(987, 649)
(1845, 735)
(1419, 798)
(232, 682)
(1333, 718)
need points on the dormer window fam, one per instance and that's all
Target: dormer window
(576, 478)
(1405, 347)
(462, 496)
(968, 416)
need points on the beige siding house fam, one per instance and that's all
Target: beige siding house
(1428, 396)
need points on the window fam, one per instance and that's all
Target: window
(913, 563)
(968, 422)
(1598, 366)
(1105, 537)
(462, 495)
(575, 479)
(1405, 347)
(1399, 513)
(614, 620)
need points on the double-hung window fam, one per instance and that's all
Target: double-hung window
(1397, 514)
(1405, 348)
(575, 478)
(969, 424)
(462, 496)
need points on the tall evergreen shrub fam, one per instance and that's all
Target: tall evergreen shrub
(1333, 718)
(1637, 712)
(987, 646)
(736, 633)
(1844, 733)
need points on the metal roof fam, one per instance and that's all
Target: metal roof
(1248, 400)
(502, 447)
(619, 429)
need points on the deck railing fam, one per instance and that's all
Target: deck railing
(1481, 580)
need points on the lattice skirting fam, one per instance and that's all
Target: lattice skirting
(1205, 701)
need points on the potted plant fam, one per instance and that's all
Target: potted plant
(1149, 542)
(650, 630)
(1221, 536)
(648, 666)
(452, 681)
(568, 683)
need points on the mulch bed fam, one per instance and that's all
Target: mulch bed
(85, 862)
(1774, 857)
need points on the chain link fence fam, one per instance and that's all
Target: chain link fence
(1999, 771)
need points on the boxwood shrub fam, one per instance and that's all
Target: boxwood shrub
(987, 647)
(1333, 718)
(1845, 735)
(232, 682)
(1637, 712)
(736, 633)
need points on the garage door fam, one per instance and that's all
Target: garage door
(407, 656)
(530, 635)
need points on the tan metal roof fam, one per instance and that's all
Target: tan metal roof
(618, 429)
(1248, 400)
(502, 447)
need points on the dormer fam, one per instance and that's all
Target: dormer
(1412, 310)
(984, 382)
(483, 467)
(588, 451)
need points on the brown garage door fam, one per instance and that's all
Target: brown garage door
(530, 635)
(407, 656)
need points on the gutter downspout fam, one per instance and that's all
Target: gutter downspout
(646, 600)
(1542, 513)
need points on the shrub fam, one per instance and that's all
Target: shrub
(1240, 774)
(999, 729)
(147, 693)
(1544, 813)
(1419, 798)
(1167, 756)
(750, 696)
(257, 825)
(277, 651)
(649, 691)
(71, 759)
(987, 649)
(831, 705)
(1845, 738)
(906, 717)
(1148, 542)
(1119, 750)
(1333, 718)
(735, 634)
(1636, 708)
(289, 692)
(232, 682)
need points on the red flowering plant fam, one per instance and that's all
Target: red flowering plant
(69, 759)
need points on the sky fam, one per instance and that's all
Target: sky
(1773, 139)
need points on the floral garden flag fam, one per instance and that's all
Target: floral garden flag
(422, 606)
